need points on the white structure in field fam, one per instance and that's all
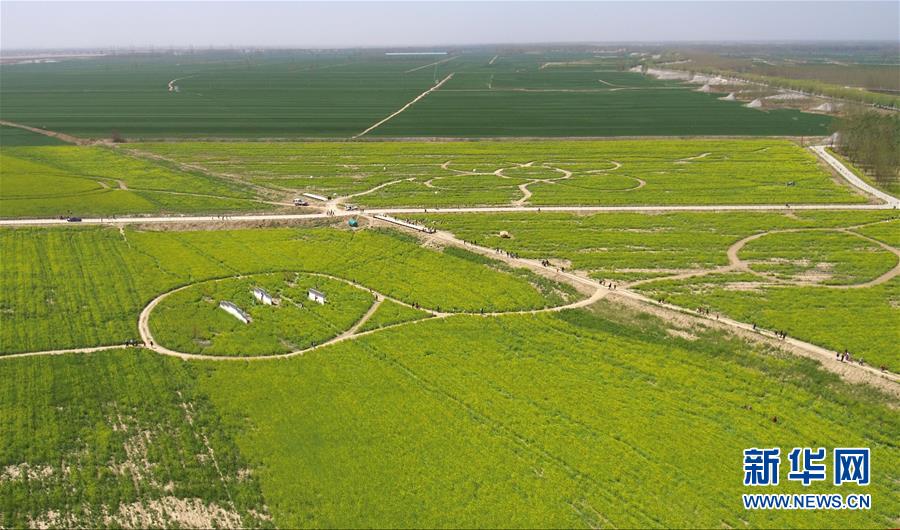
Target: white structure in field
(826, 107)
(235, 311)
(405, 224)
(755, 104)
(316, 196)
(316, 296)
(263, 297)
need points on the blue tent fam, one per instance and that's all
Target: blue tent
(353, 222)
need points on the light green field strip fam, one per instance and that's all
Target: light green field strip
(610, 173)
(58, 181)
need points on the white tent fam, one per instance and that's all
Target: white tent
(755, 104)
(826, 107)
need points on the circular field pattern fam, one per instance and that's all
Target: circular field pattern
(531, 172)
(822, 257)
(191, 320)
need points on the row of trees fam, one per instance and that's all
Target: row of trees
(872, 141)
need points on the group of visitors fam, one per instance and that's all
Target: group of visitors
(504, 252)
(846, 357)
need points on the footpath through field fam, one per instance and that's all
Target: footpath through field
(850, 176)
(404, 107)
(252, 218)
(887, 381)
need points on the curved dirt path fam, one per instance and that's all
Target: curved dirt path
(822, 152)
(526, 193)
(351, 333)
(737, 264)
(171, 84)
(697, 157)
(340, 200)
(597, 291)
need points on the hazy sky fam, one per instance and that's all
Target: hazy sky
(425, 23)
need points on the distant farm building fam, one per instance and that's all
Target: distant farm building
(263, 297)
(235, 311)
(316, 296)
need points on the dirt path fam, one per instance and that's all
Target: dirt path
(334, 203)
(255, 218)
(594, 292)
(404, 107)
(424, 66)
(264, 191)
(822, 152)
(526, 193)
(68, 138)
(850, 372)
(62, 352)
(853, 373)
(698, 157)
(365, 318)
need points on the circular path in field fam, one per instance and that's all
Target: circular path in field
(838, 258)
(188, 323)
